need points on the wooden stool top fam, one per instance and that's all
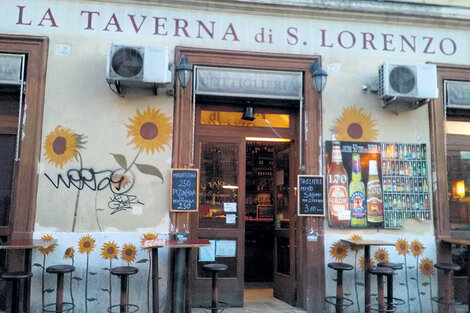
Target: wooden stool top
(124, 270)
(58, 269)
(387, 271)
(394, 266)
(447, 266)
(16, 275)
(338, 266)
(214, 267)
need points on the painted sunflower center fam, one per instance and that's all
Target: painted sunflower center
(110, 250)
(67, 252)
(355, 130)
(129, 252)
(59, 145)
(149, 131)
(339, 251)
(403, 247)
(86, 244)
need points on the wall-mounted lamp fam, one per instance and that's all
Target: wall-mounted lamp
(248, 114)
(319, 77)
(184, 71)
(458, 189)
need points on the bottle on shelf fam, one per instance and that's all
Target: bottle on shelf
(357, 191)
(375, 213)
(339, 214)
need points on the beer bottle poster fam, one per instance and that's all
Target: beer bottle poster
(376, 185)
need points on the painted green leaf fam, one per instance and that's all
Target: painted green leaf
(347, 294)
(142, 261)
(402, 284)
(105, 269)
(412, 299)
(91, 299)
(92, 273)
(425, 284)
(149, 170)
(120, 159)
(423, 293)
(77, 278)
(49, 290)
(413, 278)
(411, 267)
(105, 289)
(37, 264)
(359, 283)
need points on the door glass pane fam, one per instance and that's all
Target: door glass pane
(458, 171)
(281, 182)
(283, 255)
(218, 207)
(9, 101)
(221, 251)
(7, 155)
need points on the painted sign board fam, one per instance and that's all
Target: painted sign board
(184, 190)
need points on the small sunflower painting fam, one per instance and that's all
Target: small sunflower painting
(426, 266)
(86, 244)
(362, 263)
(69, 253)
(339, 251)
(416, 248)
(49, 249)
(381, 256)
(128, 252)
(355, 237)
(61, 145)
(145, 237)
(402, 246)
(355, 125)
(109, 250)
(150, 130)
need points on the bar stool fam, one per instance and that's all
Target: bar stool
(391, 301)
(214, 269)
(380, 272)
(15, 278)
(448, 270)
(59, 305)
(123, 272)
(339, 301)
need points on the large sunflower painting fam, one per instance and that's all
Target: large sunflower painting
(339, 251)
(128, 252)
(150, 130)
(355, 125)
(62, 145)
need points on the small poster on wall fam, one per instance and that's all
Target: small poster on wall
(376, 185)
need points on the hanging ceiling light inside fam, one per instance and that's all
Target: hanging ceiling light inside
(248, 114)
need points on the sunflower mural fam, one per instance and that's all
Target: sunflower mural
(416, 249)
(355, 125)
(426, 267)
(86, 245)
(109, 251)
(362, 263)
(45, 251)
(145, 237)
(402, 246)
(339, 251)
(381, 256)
(60, 146)
(69, 255)
(128, 253)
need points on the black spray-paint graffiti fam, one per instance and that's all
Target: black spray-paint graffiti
(122, 202)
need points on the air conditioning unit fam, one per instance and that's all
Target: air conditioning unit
(407, 83)
(137, 64)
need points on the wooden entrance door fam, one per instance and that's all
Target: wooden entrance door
(284, 281)
(220, 218)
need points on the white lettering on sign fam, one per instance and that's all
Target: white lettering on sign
(231, 31)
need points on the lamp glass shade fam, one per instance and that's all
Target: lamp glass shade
(248, 114)
(319, 79)
(184, 71)
(458, 189)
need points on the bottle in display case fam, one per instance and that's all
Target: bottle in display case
(339, 214)
(375, 213)
(357, 192)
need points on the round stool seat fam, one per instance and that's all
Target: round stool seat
(124, 270)
(337, 266)
(387, 271)
(447, 266)
(394, 266)
(60, 269)
(214, 267)
(16, 275)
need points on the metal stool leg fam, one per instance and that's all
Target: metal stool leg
(215, 293)
(15, 296)
(59, 292)
(389, 292)
(339, 292)
(123, 301)
(381, 293)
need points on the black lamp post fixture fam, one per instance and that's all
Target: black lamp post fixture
(184, 71)
(319, 77)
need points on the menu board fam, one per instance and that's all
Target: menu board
(184, 190)
(310, 195)
(402, 177)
